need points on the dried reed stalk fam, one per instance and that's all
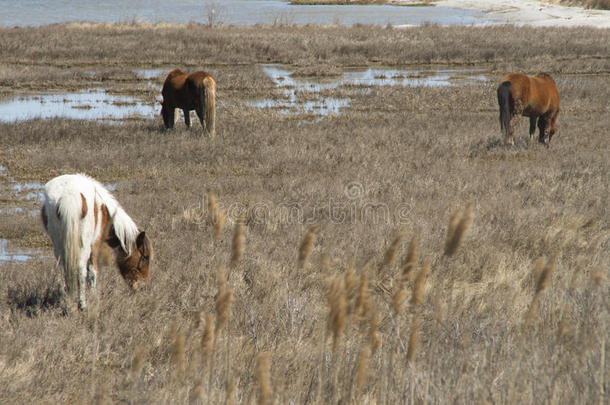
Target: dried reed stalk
(230, 397)
(263, 377)
(363, 296)
(307, 245)
(137, 363)
(217, 217)
(224, 299)
(412, 348)
(337, 302)
(237, 249)
(399, 298)
(458, 225)
(543, 273)
(178, 352)
(361, 374)
(207, 338)
(349, 280)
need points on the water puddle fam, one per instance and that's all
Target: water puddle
(295, 88)
(29, 191)
(10, 253)
(87, 105)
(150, 74)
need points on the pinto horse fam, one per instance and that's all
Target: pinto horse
(189, 91)
(79, 214)
(534, 97)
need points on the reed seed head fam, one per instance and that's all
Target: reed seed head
(374, 336)
(307, 245)
(458, 225)
(390, 253)
(337, 302)
(178, 351)
(207, 338)
(410, 260)
(420, 283)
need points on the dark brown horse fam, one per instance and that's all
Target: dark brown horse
(189, 91)
(534, 97)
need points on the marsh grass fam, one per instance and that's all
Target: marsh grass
(312, 297)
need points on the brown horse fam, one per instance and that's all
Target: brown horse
(79, 214)
(535, 97)
(189, 91)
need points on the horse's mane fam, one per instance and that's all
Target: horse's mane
(125, 229)
(175, 72)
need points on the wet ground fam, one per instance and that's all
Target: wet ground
(294, 95)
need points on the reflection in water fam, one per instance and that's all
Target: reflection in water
(89, 105)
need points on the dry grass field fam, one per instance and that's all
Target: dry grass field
(395, 252)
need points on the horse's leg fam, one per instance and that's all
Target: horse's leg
(187, 117)
(544, 129)
(553, 125)
(533, 120)
(92, 265)
(514, 120)
(201, 115)
(174, 117)
(82, 277)
(199, 111)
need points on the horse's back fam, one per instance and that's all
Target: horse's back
(538, 94)
(547, 89)
(68, 185)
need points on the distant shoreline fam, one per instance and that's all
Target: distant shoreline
(535, 13)
(532, 13)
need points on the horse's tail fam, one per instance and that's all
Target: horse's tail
(70, 213)
(504, 103)
(208, 101)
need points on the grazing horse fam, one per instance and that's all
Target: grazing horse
(535, 97)
(79, 214)
(189, 91)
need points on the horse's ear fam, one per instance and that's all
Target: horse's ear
(143, 244)
(112, 240)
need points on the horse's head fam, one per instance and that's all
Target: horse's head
(135, 267)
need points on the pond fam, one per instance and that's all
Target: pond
(86, 105)
(294, 87)
(227, 12)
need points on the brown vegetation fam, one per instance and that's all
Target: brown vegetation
(454, 316)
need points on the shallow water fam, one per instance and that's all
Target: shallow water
(9, 253)
(89, 105)
(228, 12)
(292, 87)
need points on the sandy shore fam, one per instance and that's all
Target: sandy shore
(535, 13)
